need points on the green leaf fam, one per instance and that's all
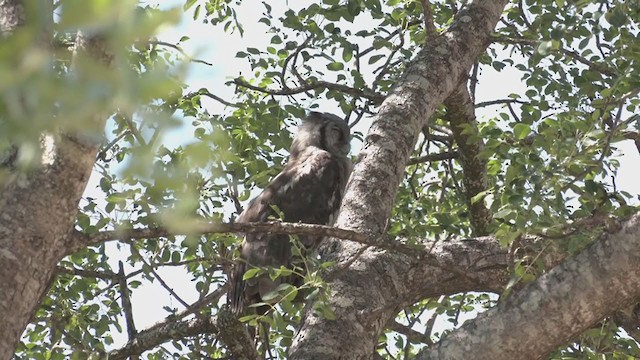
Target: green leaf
(521, 131)
(271, 295)
(375, 58)
(503, 213)
(335, 66)
(545, 47)
(188, 4)
(251, 273)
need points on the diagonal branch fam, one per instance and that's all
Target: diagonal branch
(568, 299)
(207, 93)
(180, 50)
(177, 330)
(229, 330)
(411, 334)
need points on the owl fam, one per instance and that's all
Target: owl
(309, 189)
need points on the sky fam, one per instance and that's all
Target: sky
(213, 45)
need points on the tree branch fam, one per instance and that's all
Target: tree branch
(161, 333)
(462, 119)
(81, 240)
(179, 49)
(232, 332)
(426, 82)
(126, 302)
(500, 102)
(366, 93)
(104, 275)
(434, 157)
(600, 67)
(568, 299)
(412, 335)
(207, 93)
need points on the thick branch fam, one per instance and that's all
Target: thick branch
(273, 227)
(365, 309)
(163, 332)
(462, 119)
(229, 330)
(412, 335)
(557, 306)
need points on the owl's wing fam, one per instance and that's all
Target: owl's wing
(309, 189)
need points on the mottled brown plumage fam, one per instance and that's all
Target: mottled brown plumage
(309, 189)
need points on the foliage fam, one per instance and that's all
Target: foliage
(550, 150)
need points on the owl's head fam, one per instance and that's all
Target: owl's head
(325, 131)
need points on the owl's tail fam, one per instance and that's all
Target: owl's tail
(236, 294)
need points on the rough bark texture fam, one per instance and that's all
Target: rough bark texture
(230, 330)
(37, 214)
(164, 332)
(378, 284)
(461, 116)
(556, 307)
(12, 15)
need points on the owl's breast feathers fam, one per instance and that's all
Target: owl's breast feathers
(308, 190)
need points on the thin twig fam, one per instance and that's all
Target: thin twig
(179, 49)
(207, 93)
(500, 102)
(602, 68)
(363, 93)
(104, 275)
(447, 155)
(102, 155)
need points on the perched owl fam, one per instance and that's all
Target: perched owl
(309, 190)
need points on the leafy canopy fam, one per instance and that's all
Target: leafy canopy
(550, 149)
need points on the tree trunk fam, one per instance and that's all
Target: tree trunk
(375, 286)
(38, 211)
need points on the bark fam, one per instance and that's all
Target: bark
(232, 332)
(12, 15)
(556, 307)
(377, 284)
(37, 213)
(461, 116)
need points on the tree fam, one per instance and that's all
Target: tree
(444, 216)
